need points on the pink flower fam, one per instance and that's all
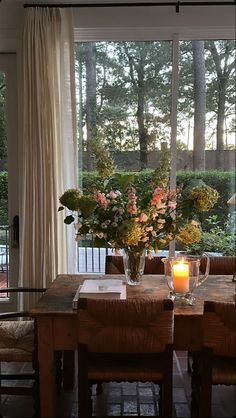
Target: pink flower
(77, 226)
(131, 208)
(132, 194)
(160, 206)
(172, 195)
(172, 199)
(101, 235)
(149, 255)
(158, 195)
(101, 199)
(143, 217)
(162, 211)
(113, 194)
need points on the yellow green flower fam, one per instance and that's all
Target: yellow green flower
(71, 199)
(104, 162)
(131, 233)
(189, 234)
(204, 196)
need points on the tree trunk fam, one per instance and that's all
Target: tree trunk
(223, 68)
(199, 105)
(220, 124)
(80, 119)
(91, 123)
(142, 131)
(139, 88)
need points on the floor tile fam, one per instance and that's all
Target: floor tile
(132, 399)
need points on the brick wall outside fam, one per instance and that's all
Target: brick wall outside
(129, 160)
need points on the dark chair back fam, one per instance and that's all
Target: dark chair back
(220, 265)
(114, 265)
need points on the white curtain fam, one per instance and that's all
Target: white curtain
(49, 147)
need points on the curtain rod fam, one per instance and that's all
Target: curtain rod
(142, 4)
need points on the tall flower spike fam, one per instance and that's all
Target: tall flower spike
(104, 162)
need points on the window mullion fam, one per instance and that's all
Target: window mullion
(174, 104)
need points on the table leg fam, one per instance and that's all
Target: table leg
(46, 367)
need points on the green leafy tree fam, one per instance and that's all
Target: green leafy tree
(129, 115)
(221, 90)
(131, 96)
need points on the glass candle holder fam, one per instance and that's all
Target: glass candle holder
(183, 277)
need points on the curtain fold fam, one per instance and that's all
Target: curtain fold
(49, 146)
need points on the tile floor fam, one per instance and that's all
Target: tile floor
(131, 399)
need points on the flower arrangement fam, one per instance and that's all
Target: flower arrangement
(124, 219)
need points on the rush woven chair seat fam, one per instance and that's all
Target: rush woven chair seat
(18, 344)
(217, 362)
(114, 265)
(125, 340)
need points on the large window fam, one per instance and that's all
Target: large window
(124, 91)
(206, 132)
(124, 95)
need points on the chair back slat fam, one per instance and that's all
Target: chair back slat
(125, 326)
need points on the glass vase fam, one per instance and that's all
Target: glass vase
(134, 262)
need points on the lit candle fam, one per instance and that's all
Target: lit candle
(181, 277)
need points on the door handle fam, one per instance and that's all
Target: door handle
(15, 226)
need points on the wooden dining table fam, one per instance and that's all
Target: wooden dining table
(57, 324)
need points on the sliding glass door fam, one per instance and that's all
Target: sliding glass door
(9, 220)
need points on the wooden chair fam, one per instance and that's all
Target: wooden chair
(114, 265)
(125, 340)
(216, 365)
(18, 344)
(219, 265)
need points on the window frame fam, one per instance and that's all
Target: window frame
(173, 34)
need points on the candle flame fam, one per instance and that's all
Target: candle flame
(182, 261)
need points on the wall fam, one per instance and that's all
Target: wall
(11, 18)
(205, 21)
(164, 21)
(129, 160)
